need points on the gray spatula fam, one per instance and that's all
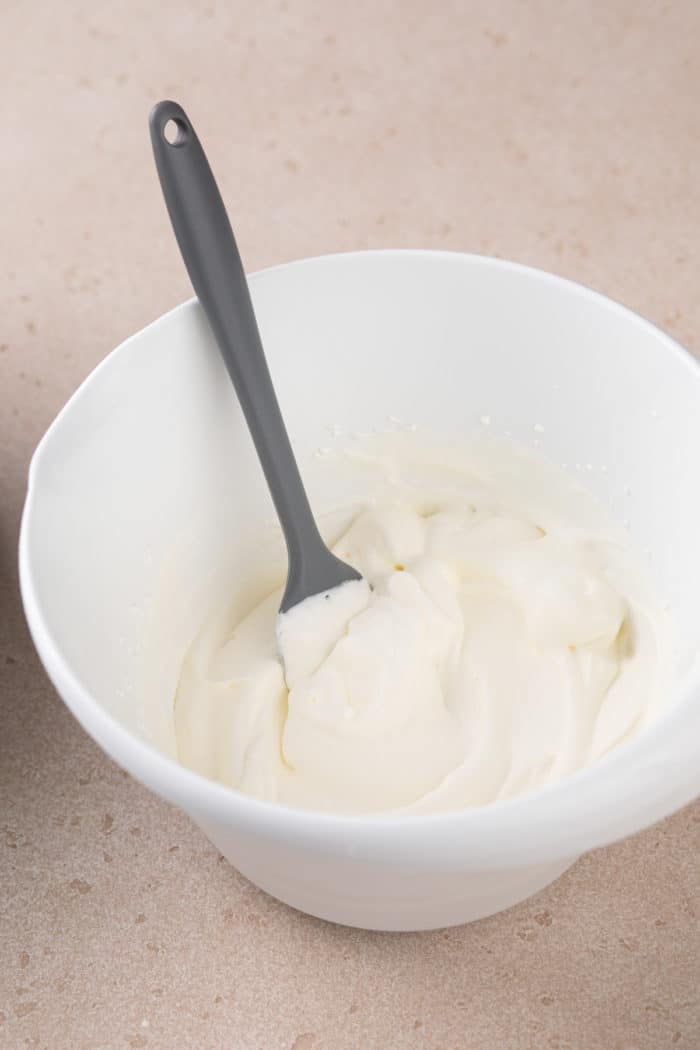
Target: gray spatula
(209, 250)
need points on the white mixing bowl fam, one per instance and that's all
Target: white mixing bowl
(145, 492)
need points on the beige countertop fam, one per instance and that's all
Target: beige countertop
(561, 134)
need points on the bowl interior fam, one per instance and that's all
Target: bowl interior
(146, 499)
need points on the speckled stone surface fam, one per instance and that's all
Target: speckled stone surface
(565, 135)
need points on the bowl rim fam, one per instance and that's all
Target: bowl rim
(565, 814)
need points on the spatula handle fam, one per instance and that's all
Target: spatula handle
(211, 256)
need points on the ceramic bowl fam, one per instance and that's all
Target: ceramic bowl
(145, 492)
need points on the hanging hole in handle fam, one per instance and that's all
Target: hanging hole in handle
(175, 132)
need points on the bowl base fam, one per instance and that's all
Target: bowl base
(370, 895)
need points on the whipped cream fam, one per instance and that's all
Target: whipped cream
(492, 646)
